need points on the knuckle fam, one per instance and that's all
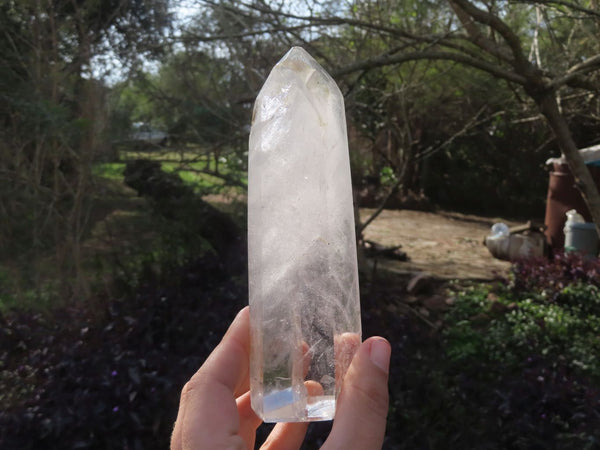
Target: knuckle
(373, 396)
(188, 389)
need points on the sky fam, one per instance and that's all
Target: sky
(108, 67)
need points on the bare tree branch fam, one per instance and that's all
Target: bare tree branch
(477, 37)
(193, 37)
(381, 207)
(447, 40)
(474, 122)
(570, 5)
(589, 65)
(494, 22)
(388, 60)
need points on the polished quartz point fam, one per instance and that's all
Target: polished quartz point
(303, 277)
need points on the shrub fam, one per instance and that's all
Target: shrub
(110, 376)
(512, 331)
(550, 276)
(509, 369)
(530, 358)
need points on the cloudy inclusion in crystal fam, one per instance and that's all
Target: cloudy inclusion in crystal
(303, 277)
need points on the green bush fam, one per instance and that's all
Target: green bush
(527, 362)
(512, 329)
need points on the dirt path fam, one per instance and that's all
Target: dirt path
(447, 245)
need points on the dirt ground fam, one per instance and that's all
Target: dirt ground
(448, 245)
(444, 244)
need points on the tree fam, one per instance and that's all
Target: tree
(489, 36)
(204, 90)
(539, 84)
(53, 117)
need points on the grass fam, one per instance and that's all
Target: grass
(117, 230)
(193, 168)
(193, 176)
(120, 236)
(110, 171)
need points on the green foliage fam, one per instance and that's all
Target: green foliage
(416, 118)
(508, 370)
(52, 128)
(492, 171)
(200, 172)
(511, 330)
(387, 176)
(112, 171)
(189, 97)
(550, 276)
(109, 375)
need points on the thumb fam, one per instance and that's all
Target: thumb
(362, 408)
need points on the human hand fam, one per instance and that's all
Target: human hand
(215, 412)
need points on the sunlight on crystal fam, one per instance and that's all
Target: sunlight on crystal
(303, 277)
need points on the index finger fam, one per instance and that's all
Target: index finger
(228, 364)
(208, 398)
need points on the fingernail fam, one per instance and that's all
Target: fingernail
(380, 354)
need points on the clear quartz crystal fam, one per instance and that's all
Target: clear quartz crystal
(303, 277)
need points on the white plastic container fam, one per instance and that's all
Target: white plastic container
(581, 237)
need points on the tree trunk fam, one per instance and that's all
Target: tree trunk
(583, 178)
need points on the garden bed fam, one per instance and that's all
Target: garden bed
(511, 366)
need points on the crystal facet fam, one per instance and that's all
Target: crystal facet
(303, 277)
